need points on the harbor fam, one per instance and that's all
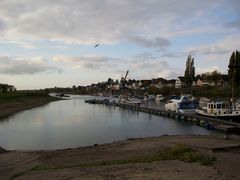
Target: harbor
(74, 123)
(207, 122)
(211, 123)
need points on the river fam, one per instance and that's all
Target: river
(74, 123)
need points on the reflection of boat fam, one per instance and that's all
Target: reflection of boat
(187, 104)
(220, 109)
(159, 97)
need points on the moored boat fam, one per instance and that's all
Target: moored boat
(187, 104)
(148, 97)
(220, 109)
(159, 97)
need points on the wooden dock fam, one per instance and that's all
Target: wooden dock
(207, 122)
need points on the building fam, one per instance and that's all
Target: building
(179, 82)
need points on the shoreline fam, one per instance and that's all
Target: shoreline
(11, 108)
(133, 158)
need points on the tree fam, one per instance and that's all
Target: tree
(234, 69)
(234, 72)
(215, 76)
(189, 71)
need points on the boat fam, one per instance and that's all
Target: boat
(186, 104)
(131, 101)
(159, 97)
(61, 95)
(220, 109)
(148, 97)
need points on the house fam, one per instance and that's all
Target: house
(194, 83)
(200, 83)
(115, 87)
(171, 83)
(179, 82)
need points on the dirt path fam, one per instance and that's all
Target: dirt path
(129, 159)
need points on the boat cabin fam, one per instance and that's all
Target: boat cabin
(218, 108)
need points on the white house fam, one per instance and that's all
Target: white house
(178, 83)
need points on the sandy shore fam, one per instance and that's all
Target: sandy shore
(129, 159)
(12, 107)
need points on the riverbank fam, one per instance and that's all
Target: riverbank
(16, 102)
(165, 157)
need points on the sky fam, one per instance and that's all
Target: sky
(47, 43)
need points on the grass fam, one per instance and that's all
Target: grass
(178, 152)
(21, 96)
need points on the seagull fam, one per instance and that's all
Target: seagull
(96, 45)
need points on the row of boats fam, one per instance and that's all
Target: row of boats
(188, 104)
(227, 110)
(185, 104)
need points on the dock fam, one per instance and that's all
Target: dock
(207, 122)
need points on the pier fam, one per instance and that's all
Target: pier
(207, 122)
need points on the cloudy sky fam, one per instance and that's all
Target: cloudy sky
(51, 43)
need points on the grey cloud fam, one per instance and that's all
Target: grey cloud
(151, 66)
(233, 24)
(209, 50)
(157, 42)
(2, 25)
(144, 57)
(89, 62)
(91, 21)
(174, 54)
(19, 67)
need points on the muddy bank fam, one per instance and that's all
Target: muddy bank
(165, 157)
(11, 107)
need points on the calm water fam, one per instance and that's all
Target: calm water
(73, 123)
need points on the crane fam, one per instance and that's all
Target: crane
(124, 90)
(126, 75)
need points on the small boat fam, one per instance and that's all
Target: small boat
(132, 101)
(159, 97)
(221, 110)
(61, 95)
(187, 104)
(148, 97)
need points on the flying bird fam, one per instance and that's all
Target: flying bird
(96, 45)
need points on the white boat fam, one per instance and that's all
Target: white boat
(187, 104)
(132, 101)
(148, 97)
(159, 97)
(220, 109)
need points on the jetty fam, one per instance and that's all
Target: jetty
(207, 122)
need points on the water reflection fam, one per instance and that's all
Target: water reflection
(73, 123)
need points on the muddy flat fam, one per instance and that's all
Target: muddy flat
(144, 158)
(10, 107)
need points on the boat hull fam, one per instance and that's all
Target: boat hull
(234, 117)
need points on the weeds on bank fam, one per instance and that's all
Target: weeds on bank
(179, 152)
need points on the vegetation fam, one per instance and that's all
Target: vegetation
(4, 88)
(179, 152)
(21, 96)
(189, 71)
(234, 69)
